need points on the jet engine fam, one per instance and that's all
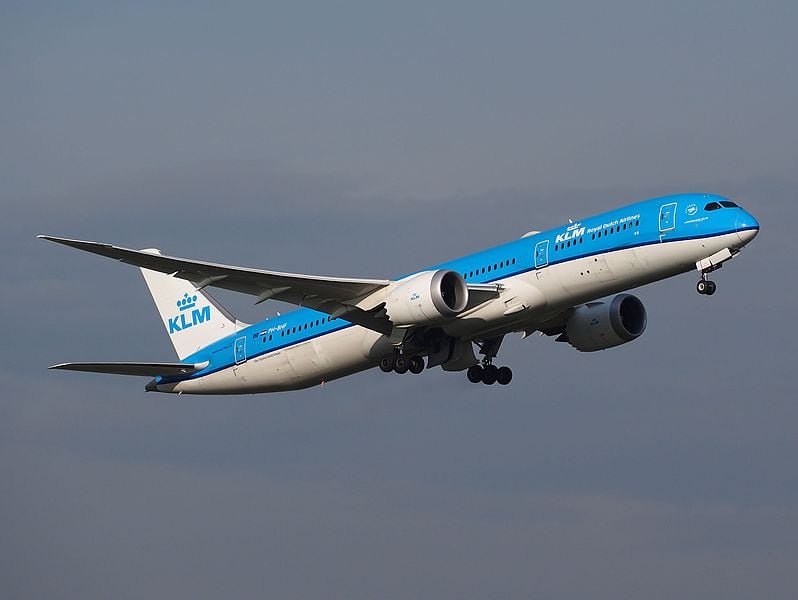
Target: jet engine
(426, 297)
(601, 325)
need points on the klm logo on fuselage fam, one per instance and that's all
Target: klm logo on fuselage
(573, 231)
(188, 319)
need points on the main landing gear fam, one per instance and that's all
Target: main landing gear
(487, 372)
(705, 286)
(401, 363)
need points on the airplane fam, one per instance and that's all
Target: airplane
(569, 282)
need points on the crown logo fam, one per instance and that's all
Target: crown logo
(186, 302)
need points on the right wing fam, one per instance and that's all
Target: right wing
(137, 368)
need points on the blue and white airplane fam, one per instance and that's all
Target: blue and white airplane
(547, 281)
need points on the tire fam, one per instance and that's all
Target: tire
(711, 288)
(401, 364)
(416, 365)
(475, 373)
(504, 375)
(386, 364)
(489, 377)
(701, 287)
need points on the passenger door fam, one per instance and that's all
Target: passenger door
(667, 218)
(541, 254)
(241, 350)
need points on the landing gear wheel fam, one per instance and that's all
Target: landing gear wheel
(416, 364)
(702, 286)
(504, 375)
(490, 374)
(711, 287)
(387, 364)
(475, 374)
(401, 364)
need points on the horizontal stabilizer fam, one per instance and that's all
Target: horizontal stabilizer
(143, 369)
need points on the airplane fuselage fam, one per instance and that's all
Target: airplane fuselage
(538, 276)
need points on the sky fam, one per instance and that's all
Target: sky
(366, 139)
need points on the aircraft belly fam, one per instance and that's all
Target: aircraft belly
(665, 260)
(329, 357)
(521, 297)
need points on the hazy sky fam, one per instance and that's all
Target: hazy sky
(367, 140)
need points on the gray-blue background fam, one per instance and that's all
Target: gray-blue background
(366, 140)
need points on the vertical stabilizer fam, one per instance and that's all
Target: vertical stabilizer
(191, 317)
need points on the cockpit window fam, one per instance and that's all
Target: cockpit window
(728, 204)
(712, 206)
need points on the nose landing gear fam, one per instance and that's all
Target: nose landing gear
(705, 286)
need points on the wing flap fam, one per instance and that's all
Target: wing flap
(143, 369)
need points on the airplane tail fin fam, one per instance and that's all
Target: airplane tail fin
(192, 318)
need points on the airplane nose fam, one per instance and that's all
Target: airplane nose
(747, 227)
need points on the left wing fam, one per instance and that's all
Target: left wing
(335, 296)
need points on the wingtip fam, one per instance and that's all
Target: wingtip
(50, 238)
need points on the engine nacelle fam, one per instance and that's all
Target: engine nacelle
(602, 325)
(427, 297)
